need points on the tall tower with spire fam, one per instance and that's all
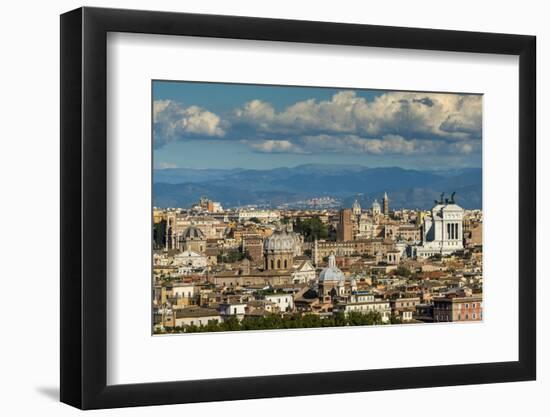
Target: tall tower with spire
(386, 204)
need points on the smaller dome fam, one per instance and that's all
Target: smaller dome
(331, 273)
(192, 233)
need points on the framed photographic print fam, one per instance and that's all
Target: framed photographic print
(258, 208)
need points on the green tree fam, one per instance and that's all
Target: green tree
(312, 228)
(231, 324)
(402, 271)
(311, 320)
(212, 326)
(159, 234)
(286, 321)
(374, 317)
(356, 318)
(340, 319)
(231, 257)
(191, 328)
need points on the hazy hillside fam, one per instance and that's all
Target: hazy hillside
(406, 188)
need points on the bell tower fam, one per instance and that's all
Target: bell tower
(386, 205)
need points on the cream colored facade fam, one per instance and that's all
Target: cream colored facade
(365, 303)
(442, 232)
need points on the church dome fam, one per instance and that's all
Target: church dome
(280, 241)
(192, 233)
(356, 207)
(331, 272)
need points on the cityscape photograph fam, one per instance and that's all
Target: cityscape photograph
(283, 207)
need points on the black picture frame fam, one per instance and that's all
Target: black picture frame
(84, 207)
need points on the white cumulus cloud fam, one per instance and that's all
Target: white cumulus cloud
(407, 114)
(274, 146)
(399, 123)
(172, 121)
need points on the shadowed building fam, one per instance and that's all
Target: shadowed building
(253, 278)
(359, 247)
(253, 246)
(345, 225)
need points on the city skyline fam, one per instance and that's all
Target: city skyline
(224, 269)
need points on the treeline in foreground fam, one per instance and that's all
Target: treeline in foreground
(287, 321)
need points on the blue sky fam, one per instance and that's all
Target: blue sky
(218, 125)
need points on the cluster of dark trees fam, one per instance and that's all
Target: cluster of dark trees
(402, 272)
(159, 235)
(287, 321)
(312, 228)
(232, 256)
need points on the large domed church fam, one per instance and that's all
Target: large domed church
(192, 239)
(279, 251)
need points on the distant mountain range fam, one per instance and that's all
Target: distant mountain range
(181, 187)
